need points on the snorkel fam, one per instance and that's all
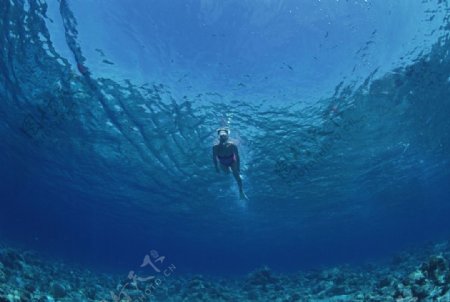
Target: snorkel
(223, 135)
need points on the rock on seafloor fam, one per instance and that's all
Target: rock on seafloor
(419, 275)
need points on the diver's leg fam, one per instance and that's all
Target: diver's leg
(237, 176)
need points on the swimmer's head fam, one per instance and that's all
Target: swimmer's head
(223, 134)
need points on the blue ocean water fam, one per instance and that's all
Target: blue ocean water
(109, 110)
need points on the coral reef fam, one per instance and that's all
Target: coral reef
(421, 275)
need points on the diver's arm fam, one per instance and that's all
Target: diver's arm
(238, 159)
(215, 158)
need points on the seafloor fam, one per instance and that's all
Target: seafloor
(416, 275)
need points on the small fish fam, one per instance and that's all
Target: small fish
(100, 52)
(288, 66)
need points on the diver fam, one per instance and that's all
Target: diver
(228, 156)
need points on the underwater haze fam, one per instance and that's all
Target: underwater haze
(109, 111)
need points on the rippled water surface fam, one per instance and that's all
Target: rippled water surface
(109, 110)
